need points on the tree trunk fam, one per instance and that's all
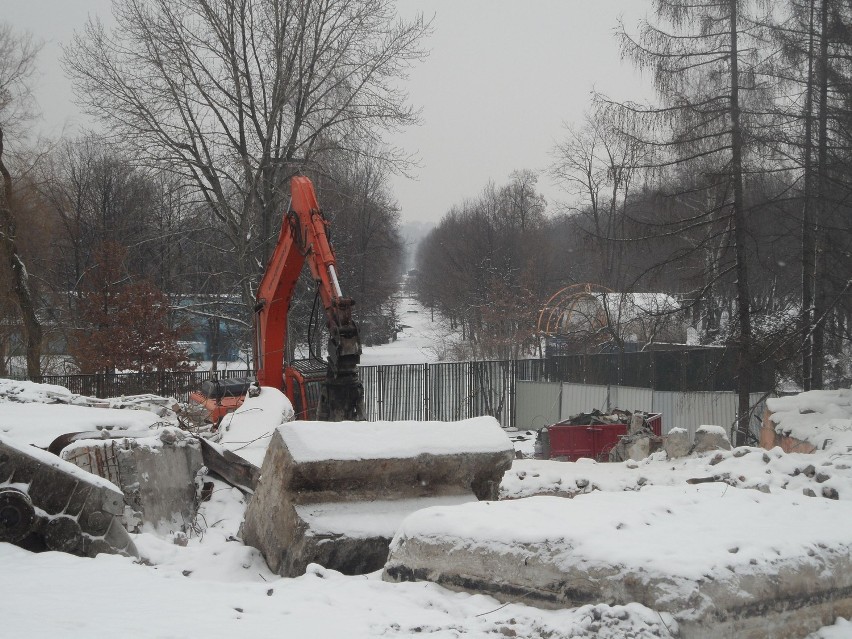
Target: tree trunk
(743, 297)
(808, 242)
(820, 297)
(20, 277)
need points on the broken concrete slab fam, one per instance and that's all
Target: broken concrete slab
(677, 443)
(49, 504)
(359, 470)
(156, 473)
(709, 437)
(675, 550)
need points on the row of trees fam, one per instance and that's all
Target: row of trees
(485, 266)
(205, 109)
(732, 191)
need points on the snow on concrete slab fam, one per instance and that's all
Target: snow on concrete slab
(49, 459)
(656, 530)
(822, 417)
(724, 562)
(318, 441)
(39, 424)
(248, 430)
(368, 519)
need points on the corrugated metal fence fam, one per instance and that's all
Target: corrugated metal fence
(539, 404)
(447, 392)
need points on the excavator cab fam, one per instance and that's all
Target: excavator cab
(303, 382)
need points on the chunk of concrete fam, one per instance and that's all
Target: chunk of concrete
(709, 438)
(49, 504)
(334, 493)
(624, 547)
(635, 447)
(677, 443)
(156, 472)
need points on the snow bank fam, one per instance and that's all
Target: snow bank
(823, 417)
(170, 601)
(12, 390)
(247, 430)
(39, 424)
(842, 629)
(317, 441)
(754, 468)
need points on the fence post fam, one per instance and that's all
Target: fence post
(513, 380)
(380, 391)
(471, 388)
(426, 398)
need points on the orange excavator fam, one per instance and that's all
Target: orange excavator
(327, 391)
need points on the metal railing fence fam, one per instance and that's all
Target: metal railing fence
(458, 390)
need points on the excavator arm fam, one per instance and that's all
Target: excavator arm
(304, 238)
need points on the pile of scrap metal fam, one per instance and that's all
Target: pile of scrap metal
(604, 436)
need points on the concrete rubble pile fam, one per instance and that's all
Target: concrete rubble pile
(639, 442)
(156, 472)
(335, 493)
(49, 504)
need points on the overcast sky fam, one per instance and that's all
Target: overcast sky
(501, 79)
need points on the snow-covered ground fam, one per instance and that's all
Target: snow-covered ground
(214, 587)
(422, 339)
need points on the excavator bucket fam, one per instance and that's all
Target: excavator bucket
(334, 492)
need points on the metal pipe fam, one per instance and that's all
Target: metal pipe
(334, 280)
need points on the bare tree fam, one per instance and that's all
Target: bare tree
(17, 64)
(484, 267)
(704, 73)
(236, 95)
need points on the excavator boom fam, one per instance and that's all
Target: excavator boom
(304, 238)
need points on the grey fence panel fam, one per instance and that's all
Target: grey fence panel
(758, 408)
(492, 390)
(369, 376)
(691, 410)
(537, 404)
(403, 391)
(582, 398)
(631, 398)
(449, 391)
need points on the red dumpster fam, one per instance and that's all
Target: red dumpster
(572, 441)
